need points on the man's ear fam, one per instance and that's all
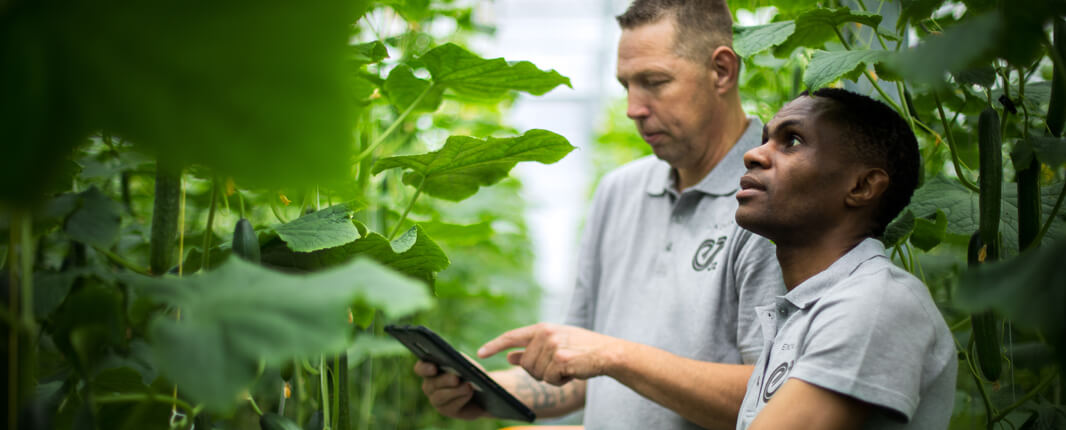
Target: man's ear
(869, 185)
(726, 66)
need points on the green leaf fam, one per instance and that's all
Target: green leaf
(403, 88)
(413, 254)
(254, 90)
(1049, 150)
(960, 206)
(322, 229)
(899, 229)
(1027, 289)
(748, 41)
(928, 234)
(465, 164)
(366, 346)
(828, 66)
(118, 380)
(241, 313)
(96, 220)
(471, 76)
(963, 46)
(370, 52)
(817, 26)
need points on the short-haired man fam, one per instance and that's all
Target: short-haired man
(667, 280)
(856, 342)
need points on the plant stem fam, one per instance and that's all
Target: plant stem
(366, 152)
(965, 322)
(277, 213)
(324, 382)
(255, 406)
(240, 198)
(164, 216)
(965, 355)
(1028, 396)
(145, 397)
(181, 227)
(955, 162)
(344, 416)
(399, 224)
(209, 230)
(336, 391)
(1050, 218)
(117, 259)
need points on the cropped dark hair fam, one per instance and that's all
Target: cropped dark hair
(702, 25)
(878, 137)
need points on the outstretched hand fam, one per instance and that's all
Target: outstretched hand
(557, 354)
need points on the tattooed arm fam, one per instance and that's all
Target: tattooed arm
(452, 397)
(545, 399)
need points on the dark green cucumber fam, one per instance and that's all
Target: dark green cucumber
(162, 254)
(985, 324)
(245, 242)
(1028, 203)
(990, 147)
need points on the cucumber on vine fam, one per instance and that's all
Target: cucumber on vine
(990, 149)
(164, 217)
(985, 324)
(245, 242)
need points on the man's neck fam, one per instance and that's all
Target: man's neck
(800, 260)
(733, 124)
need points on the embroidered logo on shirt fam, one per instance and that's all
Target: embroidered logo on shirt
(704, 258)
(775, 380)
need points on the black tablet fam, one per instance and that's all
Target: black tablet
(430, 347)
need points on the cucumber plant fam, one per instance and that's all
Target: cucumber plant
(334, 148)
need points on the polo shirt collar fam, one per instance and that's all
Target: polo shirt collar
(808, 292)
(723, 180)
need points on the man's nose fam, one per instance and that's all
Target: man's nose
(636, 107)
(756, 157)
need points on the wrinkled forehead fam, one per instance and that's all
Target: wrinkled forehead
(803, 110)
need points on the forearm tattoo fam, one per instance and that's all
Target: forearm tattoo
(542, 395)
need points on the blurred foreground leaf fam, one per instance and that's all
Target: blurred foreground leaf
(1027, 289)
(465, 164)
(254, 89)
(241, 313)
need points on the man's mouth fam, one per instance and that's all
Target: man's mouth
(749, 186)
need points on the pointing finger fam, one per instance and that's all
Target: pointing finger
(516, 338)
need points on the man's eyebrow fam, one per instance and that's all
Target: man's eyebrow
(788, 123)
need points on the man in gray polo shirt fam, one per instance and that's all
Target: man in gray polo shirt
(667, 281)
(856, 342)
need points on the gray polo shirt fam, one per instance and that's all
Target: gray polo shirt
(673, 271)
(866, 329)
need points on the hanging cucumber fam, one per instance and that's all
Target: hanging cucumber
(1028, 177)
(990, 153)
(164, 216)
(245, 242)
(985, 324)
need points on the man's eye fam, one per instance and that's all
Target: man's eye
(793, 140)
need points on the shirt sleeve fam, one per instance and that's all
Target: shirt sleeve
(869, 343)
(758, 281)
(583, 300)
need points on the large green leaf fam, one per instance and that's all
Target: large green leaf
(964, 46)
(96, 219)
(322, 229)
(752, 40)
(240, 314)
(254, 89)
(403, 88)
(471, 76)
(465, 164)
(817, 26)
(960, 206)
(414, 254)
(828, 66)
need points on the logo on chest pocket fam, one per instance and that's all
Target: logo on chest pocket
(704, 257)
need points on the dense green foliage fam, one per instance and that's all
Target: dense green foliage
(362, 159)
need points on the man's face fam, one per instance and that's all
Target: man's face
(798, 179)
(671, 99)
